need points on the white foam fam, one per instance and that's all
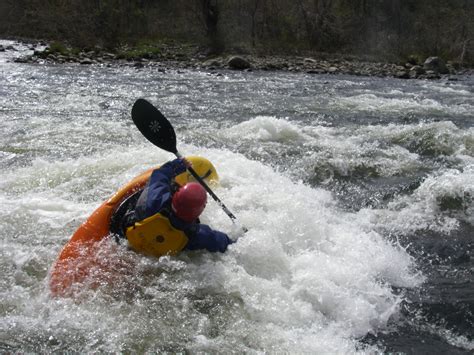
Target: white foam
(305, 274)
(381, 103)
(456, 89)
(424, 209)
(265, 128)
(301, 263)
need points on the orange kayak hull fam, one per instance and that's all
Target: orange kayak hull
(78, 259)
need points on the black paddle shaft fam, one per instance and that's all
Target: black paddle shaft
(208, 189)
(159, 131)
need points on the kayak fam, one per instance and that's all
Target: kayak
(80, 261)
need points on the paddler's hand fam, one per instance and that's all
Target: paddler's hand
(237, 231)
(187, 163)
(178, 166)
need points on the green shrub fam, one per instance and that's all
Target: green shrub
(58, 48)
(146, 51)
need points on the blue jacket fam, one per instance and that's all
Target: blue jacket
(157, 196)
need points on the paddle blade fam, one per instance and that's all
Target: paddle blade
(154, 126)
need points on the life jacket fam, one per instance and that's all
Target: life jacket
(155, 236)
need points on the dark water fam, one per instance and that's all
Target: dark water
(357, 192)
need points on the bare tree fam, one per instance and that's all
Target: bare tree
(319, 21)
(210, 13)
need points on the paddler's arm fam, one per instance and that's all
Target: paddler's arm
(203, 237)
(158, 189)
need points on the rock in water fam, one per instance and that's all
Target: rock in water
(435, 64)
(237, 62)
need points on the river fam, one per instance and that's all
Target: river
(357, 194)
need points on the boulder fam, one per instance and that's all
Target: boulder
(239, 63)
(310, 61)
(272, 66)
(86, 61)
(431, 74)
(402, 74)
(109, 55)
(23, 60)
(211, 63)
(416, 71)
(435, 64)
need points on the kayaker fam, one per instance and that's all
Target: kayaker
(165, 218)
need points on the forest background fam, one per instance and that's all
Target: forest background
(388, 30)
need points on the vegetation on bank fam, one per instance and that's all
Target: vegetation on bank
(145, 50)
(389, 30)
(175, 56)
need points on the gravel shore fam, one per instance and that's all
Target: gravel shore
(189, 57)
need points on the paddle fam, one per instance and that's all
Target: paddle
(159, 131)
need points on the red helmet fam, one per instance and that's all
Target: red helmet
(189, 201)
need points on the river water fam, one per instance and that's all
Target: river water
(357, 194)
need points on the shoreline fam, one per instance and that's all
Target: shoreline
(176, 57)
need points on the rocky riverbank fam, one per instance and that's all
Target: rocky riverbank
(169, 57)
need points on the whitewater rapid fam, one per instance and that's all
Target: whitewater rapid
(330, 175)
(300, 274)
